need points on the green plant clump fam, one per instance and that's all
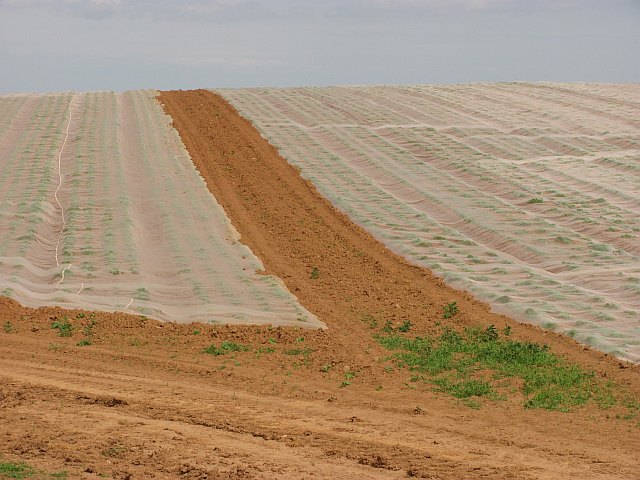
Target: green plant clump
(16, 470)
(476, 362)
(23, 470)
(315, 273)
(64, 327)
(450, 309)
(406, 326)
(225, 348)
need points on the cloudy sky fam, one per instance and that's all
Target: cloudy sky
(56, 45)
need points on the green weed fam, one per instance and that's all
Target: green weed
(64, 327)
(463, 388)
(22, 470)
(264, 350)
(225, 348)
(7, 327)
(315, 273)
(477, 361)
(88, 329)
(450, 309)
(388, 327)
(405, 327)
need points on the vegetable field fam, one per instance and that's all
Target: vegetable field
(526, 195)
(101, 208)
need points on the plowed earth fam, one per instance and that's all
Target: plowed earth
(144, 401)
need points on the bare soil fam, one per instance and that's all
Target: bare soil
(144, 401)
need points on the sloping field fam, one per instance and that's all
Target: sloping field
(101, 208)
(95, 395)
(527, 195)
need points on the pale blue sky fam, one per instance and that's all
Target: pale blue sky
(56, 45)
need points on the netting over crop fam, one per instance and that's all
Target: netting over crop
(527, 195)
(101, 207)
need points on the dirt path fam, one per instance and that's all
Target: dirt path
(144, 401)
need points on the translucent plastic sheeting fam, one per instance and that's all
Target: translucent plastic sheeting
(102, 208)
(527, 195)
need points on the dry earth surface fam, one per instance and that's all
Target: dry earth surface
(142, 399)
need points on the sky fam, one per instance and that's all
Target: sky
(63, 45)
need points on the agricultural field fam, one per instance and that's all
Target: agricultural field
(167, 275)
(101, 208)
(526, 195)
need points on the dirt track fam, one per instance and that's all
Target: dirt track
(143, 401)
